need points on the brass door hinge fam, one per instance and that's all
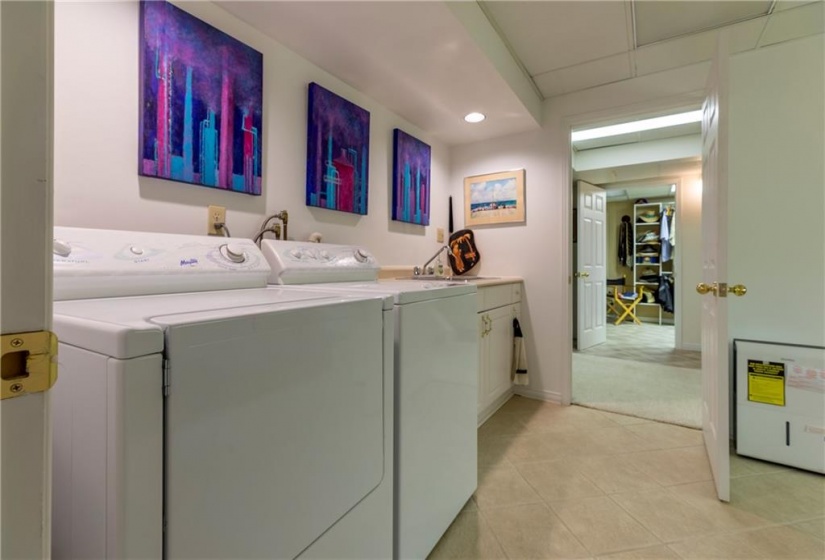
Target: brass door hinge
(29, 363)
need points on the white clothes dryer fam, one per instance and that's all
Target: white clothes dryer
(237, 422)
(436, 381)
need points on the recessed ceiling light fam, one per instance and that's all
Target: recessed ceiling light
(474, 117)
(638, 126)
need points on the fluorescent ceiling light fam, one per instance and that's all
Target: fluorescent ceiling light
(474, 117)
(638, 126)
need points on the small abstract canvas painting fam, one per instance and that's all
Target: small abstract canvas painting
(338, 138)
(201, 95)
(410, 179)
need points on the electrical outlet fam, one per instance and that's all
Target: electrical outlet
(439, 234)
(216, 215)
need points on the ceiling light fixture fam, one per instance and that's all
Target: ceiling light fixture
(474, 117)
(638, 126)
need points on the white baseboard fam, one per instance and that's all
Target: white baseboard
(549, 396)
(492, 408)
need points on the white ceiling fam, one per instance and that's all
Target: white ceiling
(432, 62)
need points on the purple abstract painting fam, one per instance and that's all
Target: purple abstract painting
(338, 139)
(201, 95)
(410, 179)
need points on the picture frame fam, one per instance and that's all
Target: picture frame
(201, 103)
(338, 140)
(494, 198)
(411, 179)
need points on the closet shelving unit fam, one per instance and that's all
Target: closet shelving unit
(647, 256)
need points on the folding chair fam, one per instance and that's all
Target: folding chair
(622, 303)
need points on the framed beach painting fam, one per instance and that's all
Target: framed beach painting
(410, 179)
(201, 102)
(338, 139)
(495, 198)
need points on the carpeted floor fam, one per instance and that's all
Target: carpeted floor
(642, 389)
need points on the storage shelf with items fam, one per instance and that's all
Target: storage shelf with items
(650, 262)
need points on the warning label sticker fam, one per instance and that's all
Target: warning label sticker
(766, 382)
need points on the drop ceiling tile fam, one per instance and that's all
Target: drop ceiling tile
(547, 36)
(589, 74)
(549, 83)
(658, 21)
(791, 4)
(793, 24)
(696, 48)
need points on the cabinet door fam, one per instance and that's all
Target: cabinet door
(499, 342)
(483, 361)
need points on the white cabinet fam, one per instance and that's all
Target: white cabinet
(497, 307)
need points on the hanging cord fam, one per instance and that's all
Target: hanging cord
(283, 216)
(221, 227)
(275, 229)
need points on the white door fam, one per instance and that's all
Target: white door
(715, 392)
(590, 266)
(25, 283)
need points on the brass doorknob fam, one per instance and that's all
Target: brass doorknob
(738, 290)
(582, 275)
(703, 288)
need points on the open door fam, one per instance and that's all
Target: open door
(591, 310)
(715, 374)
(25, 283)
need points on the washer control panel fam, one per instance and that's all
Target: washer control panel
(104, 263)
(299, 262)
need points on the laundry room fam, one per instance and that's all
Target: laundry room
(207, 376)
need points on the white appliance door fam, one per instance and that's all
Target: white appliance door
(274, 428)
(436, 416)
(590, 268)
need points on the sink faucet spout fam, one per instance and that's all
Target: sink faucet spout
(426, 264)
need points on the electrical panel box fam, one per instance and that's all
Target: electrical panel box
(780, 403)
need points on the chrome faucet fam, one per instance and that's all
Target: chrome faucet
(424, 269)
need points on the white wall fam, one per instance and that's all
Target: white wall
(776, 193)
(96, 143)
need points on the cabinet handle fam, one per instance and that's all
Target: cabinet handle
(488, 325)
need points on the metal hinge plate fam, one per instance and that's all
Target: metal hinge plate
(167, 381)
(29, 363)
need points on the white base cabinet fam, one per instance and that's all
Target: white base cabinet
(497, 307)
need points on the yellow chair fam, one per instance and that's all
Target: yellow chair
(622, 303)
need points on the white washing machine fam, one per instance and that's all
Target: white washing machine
(436, 381)
(239, 422)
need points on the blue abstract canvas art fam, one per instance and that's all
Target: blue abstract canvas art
(338, 138)
(410, 179)
(201, 95)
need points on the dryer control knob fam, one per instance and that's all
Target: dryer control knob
(234, 252)
(61, 248)
(296, 254)
(361, 255)
(136, 250)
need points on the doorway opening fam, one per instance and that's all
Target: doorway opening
(636, 348)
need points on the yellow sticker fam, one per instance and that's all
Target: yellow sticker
(766, 382)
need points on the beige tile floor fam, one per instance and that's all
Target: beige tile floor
(571, 482)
